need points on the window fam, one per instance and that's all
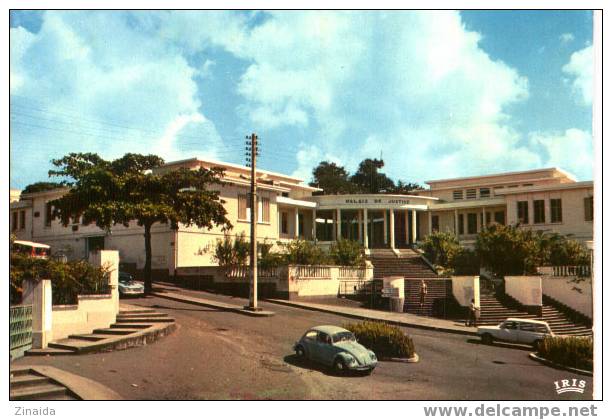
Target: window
(512, 186)
(523, 211)
(470, 194)
(472, 223)
(458, 195)
(22, 220)
(460, 224)
(485, 192)
(435, 223)
(538, 211)
(284, 223)
(310, 335)
(527, 185)
(588, 209)
(500, 217)
(509, 325)
(242, 207)
(556, 212)
(14, 222)
(488, 218)
(48, 214)
(264, 210)
(324, 338)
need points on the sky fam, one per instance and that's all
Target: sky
(436, 94)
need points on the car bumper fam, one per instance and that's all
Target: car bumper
(362, 368)
(131, 292)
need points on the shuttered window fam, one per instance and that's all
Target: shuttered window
(458, 195)
(588, 209)
(472, 223)
(522, 209)
(22, 220)
(556, 212)
(264, 210)
(14, 221)
(242, 207)
(470, 194)
(538, 211)
(485, 192)
(48, 214)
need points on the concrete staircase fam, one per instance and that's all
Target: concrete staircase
(495, 310)
(132, 328)
(27, 384)
(438, 289)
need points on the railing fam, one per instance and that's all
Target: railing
(20, 326)
(571, 271)
(352, 273)
(355, 287)
(245, 271)
(311, 271)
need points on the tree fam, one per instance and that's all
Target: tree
(440, 248)
(333, 179)
(405, 187)
(116, 192)
(368, 180)
(41, 186)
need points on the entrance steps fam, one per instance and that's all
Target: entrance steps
(27, 384)
(132, 328)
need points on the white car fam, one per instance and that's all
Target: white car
(128, 287)
(516, 330)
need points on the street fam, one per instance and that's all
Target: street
(215, 354)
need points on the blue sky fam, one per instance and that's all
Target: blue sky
(438, 94)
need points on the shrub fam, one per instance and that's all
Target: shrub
(507, 250)
(232, 252)
(348, 253)
(465, 262)
(383, 339)
(68, 279)
(576, 352)
(440, 248)
(304, 253)
(268, 258)
(568, 252)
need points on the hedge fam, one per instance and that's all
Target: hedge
(576, 352)
(383, 339)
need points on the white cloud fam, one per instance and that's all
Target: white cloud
(580, 69)
(566, 38)
(571, 150)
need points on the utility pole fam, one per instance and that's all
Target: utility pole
(251, 155)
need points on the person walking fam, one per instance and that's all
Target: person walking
(422, 295)
(473, 315)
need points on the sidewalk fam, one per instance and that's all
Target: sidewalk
(401, 319)
(178, 294)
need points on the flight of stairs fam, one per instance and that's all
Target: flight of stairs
(494, 310)
(411, 266)
(27, 384)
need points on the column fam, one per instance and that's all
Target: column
(414, 226)
(456, 223)
(296, 228)
(385, 237)
(429, 221)
(360, 225)
(314, 225)
(484, 220)
(365, 228)
(406, 228)
(392, 228)
(338, 224)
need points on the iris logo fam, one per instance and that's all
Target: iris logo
(570, 385)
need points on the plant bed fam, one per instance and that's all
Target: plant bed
(387, 341)
(568, 351)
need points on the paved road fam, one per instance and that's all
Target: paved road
(223, 355)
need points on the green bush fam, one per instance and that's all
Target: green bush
(465, 263)
(576, 352)
(67, 279)
(507, 250)
(440, 248)
(348, 253)
(303, 252)
(383, 339)
(232, 252)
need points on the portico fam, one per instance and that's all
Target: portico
(374, 220)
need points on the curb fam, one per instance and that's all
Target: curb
(413, 359)
(550, 363)
(211, 304)
(370, 318)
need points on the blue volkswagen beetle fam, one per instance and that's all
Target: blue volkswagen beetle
(335, 347)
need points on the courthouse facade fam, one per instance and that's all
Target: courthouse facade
(548, 199)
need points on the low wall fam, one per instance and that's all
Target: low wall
(92, 311)
(578, 295)
(466, 288)
(527, 290)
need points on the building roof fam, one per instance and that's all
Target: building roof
(546, 187)
(501, 174)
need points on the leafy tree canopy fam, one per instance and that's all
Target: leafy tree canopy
(116, 192)
(41, 186)
(368, 179)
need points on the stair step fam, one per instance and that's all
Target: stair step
(18, 371)
(137, 311)
(89, 337)
(144, 320)
(143, 315)
(47, 391)
(114, 331)
(49, 351)
(27, 380)
(131, 326)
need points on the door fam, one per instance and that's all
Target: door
(508, 331)
(325, 349)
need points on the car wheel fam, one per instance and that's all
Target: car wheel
(300, 353)
(487, 339)
(339, 365)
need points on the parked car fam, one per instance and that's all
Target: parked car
(335, 347)
(516, 330)
(129, 287)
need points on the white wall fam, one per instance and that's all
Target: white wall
(466, 288)
(525, 289)
(578, 296)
